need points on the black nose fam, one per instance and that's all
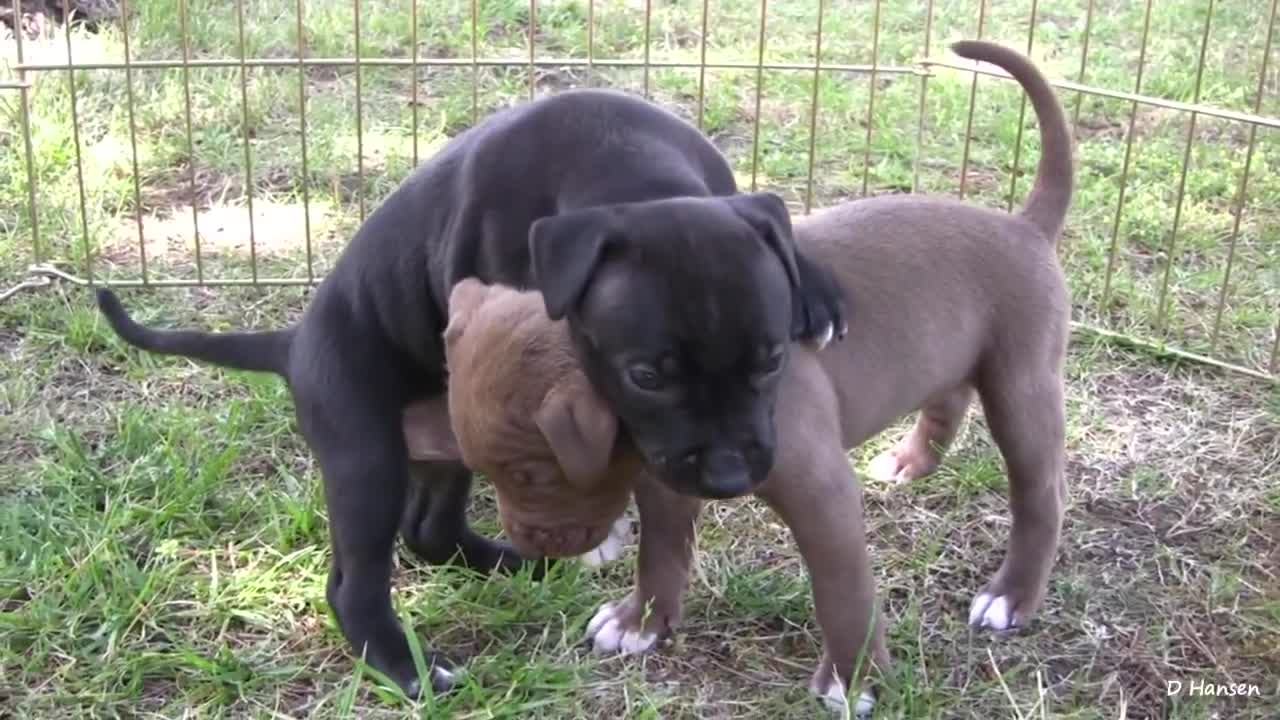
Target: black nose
(725, 474)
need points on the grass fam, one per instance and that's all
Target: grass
(164, 538)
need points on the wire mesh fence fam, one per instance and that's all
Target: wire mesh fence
(175, 143)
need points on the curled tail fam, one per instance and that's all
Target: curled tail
(1050, 196)
(261, 351)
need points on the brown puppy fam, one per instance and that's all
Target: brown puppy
(951, 299)
(526, 417)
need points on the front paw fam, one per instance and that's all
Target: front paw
(442, 674)
(620, 536)
(830, 690)
(443, 680)
(627, 628)
(817, 306)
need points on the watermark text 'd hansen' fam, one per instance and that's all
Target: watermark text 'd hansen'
(1206, 688)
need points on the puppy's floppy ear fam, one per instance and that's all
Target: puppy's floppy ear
(768, 214)
(818, 303)
(467, 295)
(580, 429)
(566, 250)
(428, 432)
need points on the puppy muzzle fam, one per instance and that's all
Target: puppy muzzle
(719, 473)
(562, 521)
(556, 541)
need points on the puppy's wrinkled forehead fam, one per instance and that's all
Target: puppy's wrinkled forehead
(504, 355)
(707, 284)
(506, 341)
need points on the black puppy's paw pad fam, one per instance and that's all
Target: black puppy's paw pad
(445, 679)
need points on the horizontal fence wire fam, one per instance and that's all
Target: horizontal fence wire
(532, 63)
(625, 63)
(545, 62)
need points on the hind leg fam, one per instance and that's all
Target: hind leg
(434, 522)
(1026, 415)
(920, 451)
(357, 439)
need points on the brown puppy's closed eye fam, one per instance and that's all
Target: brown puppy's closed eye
(580, 430)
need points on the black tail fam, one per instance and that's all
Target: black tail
(261, 351)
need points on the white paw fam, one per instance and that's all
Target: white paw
(824, 339)
(836, 700)
(440, 678)
(884, 468)
(991, 612)
(866, 703)
(611, 548)
(448, 677)
(608, 636)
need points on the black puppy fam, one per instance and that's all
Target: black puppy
(682, 295)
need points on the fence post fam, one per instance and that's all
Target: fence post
(24, 105)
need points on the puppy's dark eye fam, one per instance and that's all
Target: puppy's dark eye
(772, 363)
(645, 377)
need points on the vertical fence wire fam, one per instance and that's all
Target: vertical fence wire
(648, 28)
(591, 42)
(475, 61)
(1242, 194)
(1275, 347)
(1084, 62)
(248, 150)
(133, 138)
(413, 86)
(1124, 170)
(24, 106)
(75, 139)
(755, 130)
(1022, 112)
(184, 18)
(973, 97)
(924, 91)
(871, 97)
(533, 33)
(1170, 252)
(813, 107)
(355, 30)
(702, 66)
(302, 128)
